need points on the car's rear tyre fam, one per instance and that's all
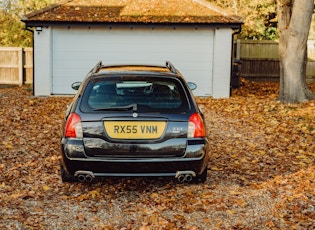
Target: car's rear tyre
(202, 177)
(66, 177)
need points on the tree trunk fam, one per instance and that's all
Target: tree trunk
(295, 18)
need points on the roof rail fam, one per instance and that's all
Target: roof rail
(97, 67)
(171, 67)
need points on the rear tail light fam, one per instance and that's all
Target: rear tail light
(73, 127)
(196, 127)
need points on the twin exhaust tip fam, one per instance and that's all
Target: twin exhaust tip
(185, 176)
(181, 176)
(84, 176)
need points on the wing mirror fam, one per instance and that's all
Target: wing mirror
(192, 85)
(76, 85)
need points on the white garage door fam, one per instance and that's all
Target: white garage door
(76, 51)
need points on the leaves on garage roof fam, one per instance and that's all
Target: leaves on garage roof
(134, 11)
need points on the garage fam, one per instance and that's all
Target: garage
(71, 37)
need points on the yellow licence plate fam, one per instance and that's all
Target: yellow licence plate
(135, 129)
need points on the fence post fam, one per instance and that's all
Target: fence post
(20, 65)
(238, 49)
(28, 65)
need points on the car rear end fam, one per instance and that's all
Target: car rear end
(134, 124)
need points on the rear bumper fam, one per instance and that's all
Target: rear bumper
(74, 160)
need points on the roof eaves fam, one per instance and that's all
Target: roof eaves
(130, 24)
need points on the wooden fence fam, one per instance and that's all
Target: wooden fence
(16, 65)
(260, 60)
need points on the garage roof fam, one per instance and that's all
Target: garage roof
(132, 11)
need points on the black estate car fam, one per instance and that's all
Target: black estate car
(134, 120)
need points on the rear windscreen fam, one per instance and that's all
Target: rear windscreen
(148, 94)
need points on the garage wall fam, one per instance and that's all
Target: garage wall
(76, 50)
(222, 62)
(42, 62)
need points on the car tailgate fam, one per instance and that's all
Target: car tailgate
(135, 138)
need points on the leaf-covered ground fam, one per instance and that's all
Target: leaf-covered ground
(261, 171)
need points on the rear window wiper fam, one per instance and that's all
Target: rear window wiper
(119, 108)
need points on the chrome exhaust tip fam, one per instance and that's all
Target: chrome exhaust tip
(185, 176)
(84, 176)
(181, 178)
(88, 178)
(188, 177)
(81, 177)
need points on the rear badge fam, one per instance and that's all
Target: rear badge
(177, 130)
(135, 114)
